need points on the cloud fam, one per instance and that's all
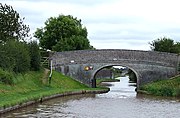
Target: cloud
(124, 24)
(121, 44)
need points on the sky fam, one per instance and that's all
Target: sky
(111, 24)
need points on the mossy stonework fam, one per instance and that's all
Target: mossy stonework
(148, 66)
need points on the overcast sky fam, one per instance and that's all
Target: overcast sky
(111, 24)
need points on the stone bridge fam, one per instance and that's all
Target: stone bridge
(83, 65)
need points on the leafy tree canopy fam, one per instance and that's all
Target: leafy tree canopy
(165, 45)
(15, 56)
(35, 55)
(63, 33)
(11, 25)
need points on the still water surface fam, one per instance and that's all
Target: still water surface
(121, 102)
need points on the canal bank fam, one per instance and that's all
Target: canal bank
(169, 88)
(121, 101)
(31, 88)
(4, 109)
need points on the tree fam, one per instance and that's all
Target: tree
(15, 56)
(72, 43)
(165, 45)
(176, 47)
(63, 33)
(11, 25)
(34, 56)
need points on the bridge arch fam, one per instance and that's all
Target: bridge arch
(109, 65)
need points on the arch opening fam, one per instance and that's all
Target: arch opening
(111, 73)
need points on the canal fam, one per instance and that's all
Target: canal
(120, 102)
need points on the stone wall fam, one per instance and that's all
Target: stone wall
(109, 55)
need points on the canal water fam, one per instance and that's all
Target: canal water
(121, 102)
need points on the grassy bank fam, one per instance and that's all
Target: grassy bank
(169, 87)
(34, 85)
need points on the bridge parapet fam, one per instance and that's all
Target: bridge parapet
(109, 55)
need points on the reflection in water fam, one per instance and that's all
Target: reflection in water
(50, 108)
(122, 89)
(120, 102)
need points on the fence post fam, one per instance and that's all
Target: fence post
(50, 75)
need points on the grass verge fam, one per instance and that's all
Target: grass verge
(169, 87)
(31, 86)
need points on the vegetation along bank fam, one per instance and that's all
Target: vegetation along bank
(34, 87)
(170, 87)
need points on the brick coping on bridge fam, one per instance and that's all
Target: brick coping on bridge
(88, 50)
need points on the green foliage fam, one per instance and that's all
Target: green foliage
(169, 87)
(177, 92)
(166, 91)
(63, 33)
(6, 62)
(165, 45)
(30, 86)
(72, 43)
(132, 76)
(117, 72)
(176, 48)
(15, 56)
(20, 57)
(11, 25)
(34, 55)
(6, 77)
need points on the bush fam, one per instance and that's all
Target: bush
(177, 92)
(168, 87)
(6, 77)
(166, 91)
(15, 56)
(6, 62)
(34, 56)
